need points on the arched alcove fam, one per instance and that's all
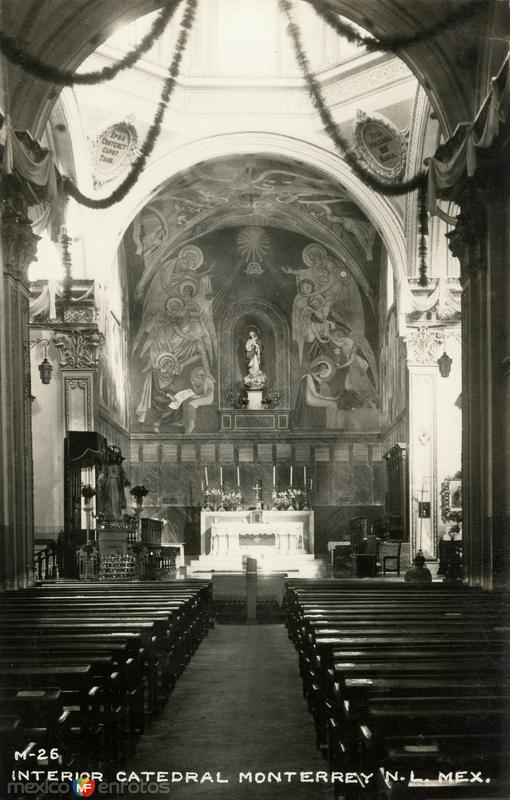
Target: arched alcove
(273, 331)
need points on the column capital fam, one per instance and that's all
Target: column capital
(466, 240)
(79, 349)
(423, 346)
(19, 243)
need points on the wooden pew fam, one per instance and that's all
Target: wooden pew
(112, 657)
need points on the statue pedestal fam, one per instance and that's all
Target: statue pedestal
(112, 538)
(254, 399)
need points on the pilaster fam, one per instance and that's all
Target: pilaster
(422, 352)
(79, 355)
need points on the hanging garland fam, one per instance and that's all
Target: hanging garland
(152, 135)
(418, 181)
(65, 77)
(423, 229)
(393, 44)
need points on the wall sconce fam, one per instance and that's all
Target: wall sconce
(445, 364)
(45, 368)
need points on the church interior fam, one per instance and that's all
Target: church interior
(255, 397)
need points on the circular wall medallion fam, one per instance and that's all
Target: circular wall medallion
(381, 145)
(114, 148)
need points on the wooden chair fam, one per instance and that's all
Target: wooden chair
(392, 557)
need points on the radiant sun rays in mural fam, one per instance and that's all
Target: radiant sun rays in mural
(253, 243)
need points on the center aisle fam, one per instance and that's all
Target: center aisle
(237, 708)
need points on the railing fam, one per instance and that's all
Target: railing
(46, 563)
(151, 531)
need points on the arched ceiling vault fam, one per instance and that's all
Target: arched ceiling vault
(297, 222)
(110, 227)
(66, 33)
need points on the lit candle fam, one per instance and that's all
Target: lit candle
(202, 485)
(206, 478)
(274, 476)
(311, 485)
(291, 476)
(221, 476)
(304, 476)
(238, 478)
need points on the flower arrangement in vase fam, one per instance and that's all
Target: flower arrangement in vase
(87, 492)
(212, 498)
(231, 501)
(139, 492)
(288, 500)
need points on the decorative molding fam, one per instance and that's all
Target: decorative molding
(79, 349)
(78, 392)
(80, 315)
(380, 144)
(273, 99)
(366, 82)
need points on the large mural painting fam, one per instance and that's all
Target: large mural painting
(328, 318)
(176, 342)
(235, 253)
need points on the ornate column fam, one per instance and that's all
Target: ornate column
(18, 250)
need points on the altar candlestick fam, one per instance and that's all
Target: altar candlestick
(304, 476)
(221, 476)
(311, 485)
(291, 476)
(238, 478)
(202, 486)
(274, 476)
(206, 478)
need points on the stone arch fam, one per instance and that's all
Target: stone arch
(113, 223)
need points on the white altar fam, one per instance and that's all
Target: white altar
(279, 540)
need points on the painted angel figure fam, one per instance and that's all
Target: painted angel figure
(354, 354)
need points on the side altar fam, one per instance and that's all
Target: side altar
(279, 540)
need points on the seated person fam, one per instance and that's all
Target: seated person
(419, 573)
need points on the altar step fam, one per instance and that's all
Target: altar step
(303, 565)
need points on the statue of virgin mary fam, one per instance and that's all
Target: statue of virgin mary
(255, 378)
